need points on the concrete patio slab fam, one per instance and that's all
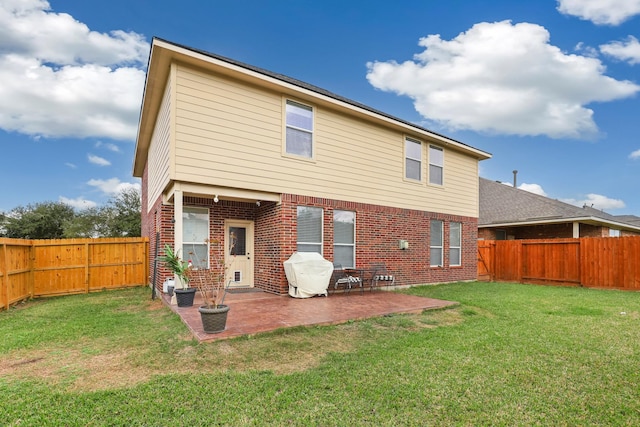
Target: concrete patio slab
(255, 312)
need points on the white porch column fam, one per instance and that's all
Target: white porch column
(177, 225)
(576, 230)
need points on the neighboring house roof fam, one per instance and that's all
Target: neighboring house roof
(502, 205)
(630, 219)
(163, 53)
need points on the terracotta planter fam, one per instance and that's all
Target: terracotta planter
(185, 296)
(214, 320)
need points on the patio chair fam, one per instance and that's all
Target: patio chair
(381, 277)
(346, 279)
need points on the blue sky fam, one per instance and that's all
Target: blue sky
(550, 88)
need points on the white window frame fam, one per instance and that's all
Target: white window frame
(190, 241)
(407, 142)
(436, 245)
(319, 243)
(336, 213)
(290, 126)
(433, 164)
(455, 247)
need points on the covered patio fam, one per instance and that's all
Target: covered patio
(254, 311)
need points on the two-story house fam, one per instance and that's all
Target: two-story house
(268, 165)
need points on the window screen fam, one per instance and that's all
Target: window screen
(413, 159)
(309, 229)
(344, 243)
(299, 138)
(455, 243)
(436, 165)
(436, 243)
(195, 236)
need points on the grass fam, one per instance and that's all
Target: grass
(507, 355)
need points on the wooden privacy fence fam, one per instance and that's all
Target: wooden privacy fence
(39, 268)
(605, 262)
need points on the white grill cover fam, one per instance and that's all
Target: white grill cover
(308, 274)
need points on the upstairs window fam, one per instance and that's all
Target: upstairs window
(436, 243)
(309, 229)
(436, 165)
(299, 139)
(344, 238)
(413, 159)
(455, 243)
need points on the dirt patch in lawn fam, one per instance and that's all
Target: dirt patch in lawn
(74, 369)
(99, 365)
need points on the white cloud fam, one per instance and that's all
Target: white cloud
(502, 78)
(635, 155)
(533, 188)
(628, 50)
(597, 201)
(78, 203)
(71, 165)
(97, 160)
(108, 146)
(113, 185)
(601, 12)
(585, 50)
(60, 79)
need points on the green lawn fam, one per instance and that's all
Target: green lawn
(508, 355)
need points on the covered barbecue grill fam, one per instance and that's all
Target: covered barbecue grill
(308, 274)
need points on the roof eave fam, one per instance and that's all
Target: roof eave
(587, 220)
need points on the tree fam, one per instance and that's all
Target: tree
(119, 217)
(87, 223)
(122, 214)
(38, 221)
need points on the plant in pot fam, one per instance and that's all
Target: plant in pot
(210, 283)
(183, 292)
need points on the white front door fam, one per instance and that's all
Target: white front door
(239, 253)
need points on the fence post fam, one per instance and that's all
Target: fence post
(492, 276)
(519, 249)
(86, 267)
(5, 277)
(32, 275)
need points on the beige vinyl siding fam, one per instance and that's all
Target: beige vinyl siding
(231, 134)
(159, 150)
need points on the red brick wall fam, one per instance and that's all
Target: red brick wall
(487, 234)
(550, 231)
(270, 238)
(378, 230)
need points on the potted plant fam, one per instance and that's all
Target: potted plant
(210, 283)
(184, 293)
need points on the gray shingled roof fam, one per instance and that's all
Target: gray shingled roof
(501, 204)
(629, 219)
